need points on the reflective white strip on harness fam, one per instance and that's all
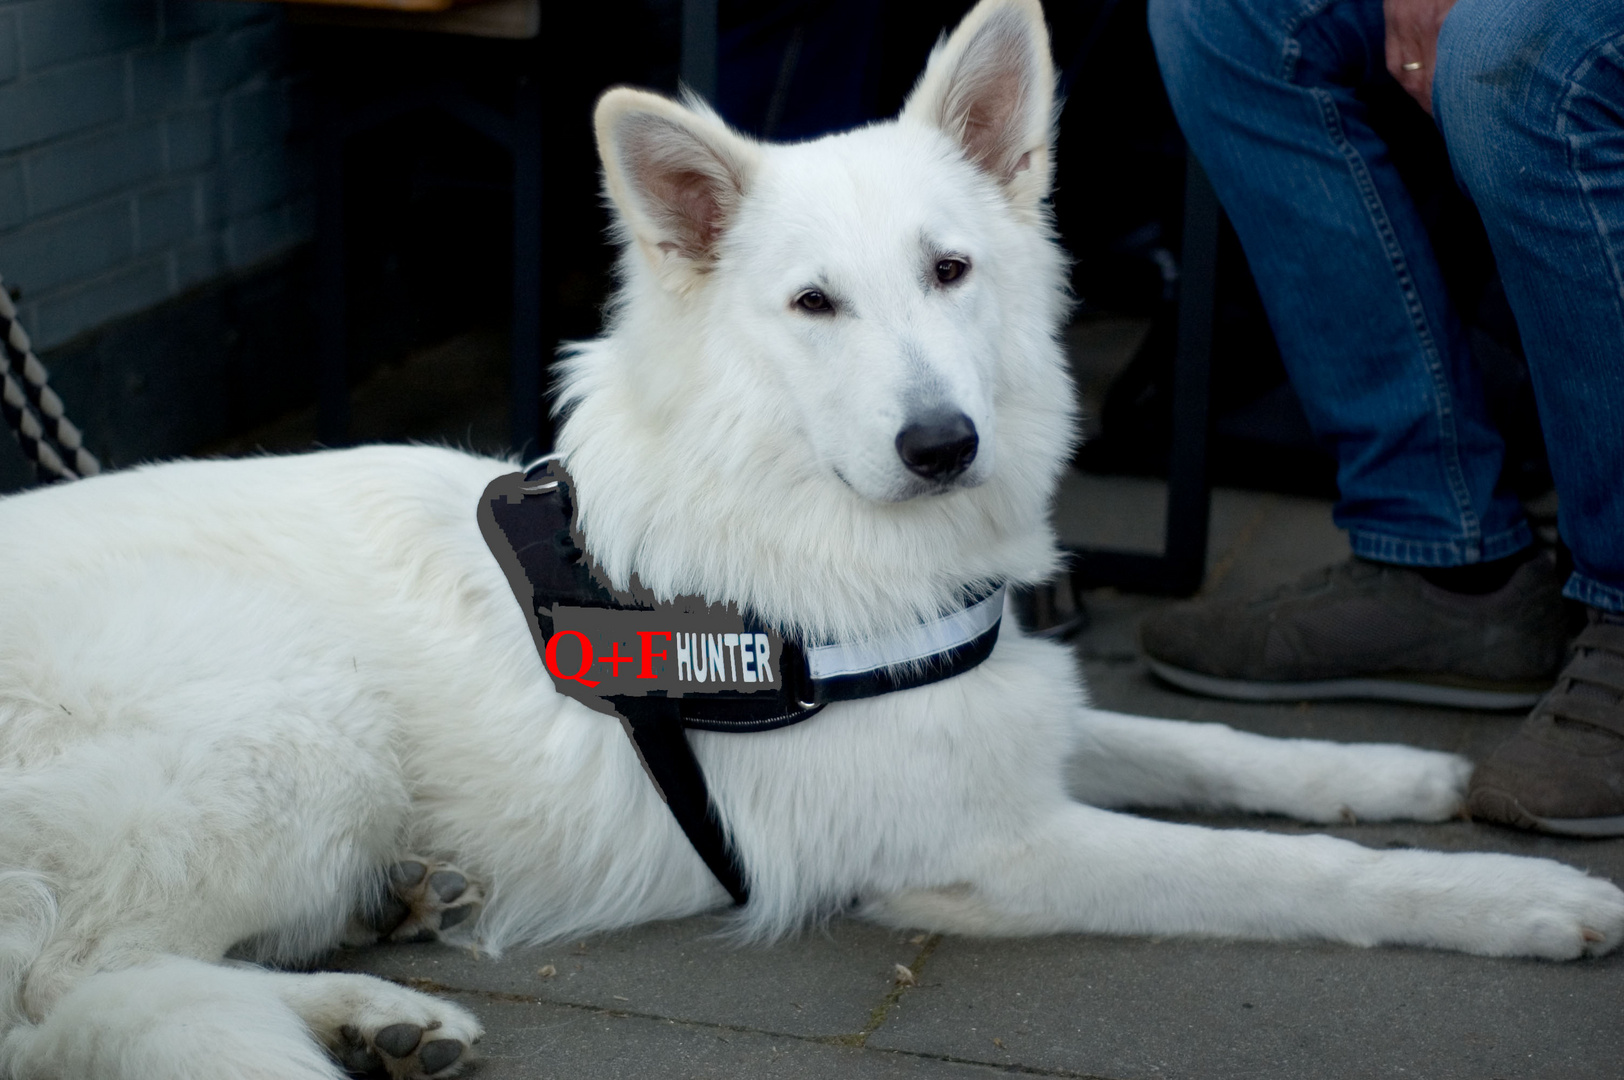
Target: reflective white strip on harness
(928, 639)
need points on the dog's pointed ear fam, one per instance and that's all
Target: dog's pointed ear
(675, 174)
(990, 87)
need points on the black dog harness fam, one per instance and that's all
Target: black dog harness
(691, 664)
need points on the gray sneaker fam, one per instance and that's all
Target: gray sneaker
(1368, 630)
(1563, 772)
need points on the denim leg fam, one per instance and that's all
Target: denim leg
(1530, 95)
(1266, 92)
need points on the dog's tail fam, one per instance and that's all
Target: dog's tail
(27, 917)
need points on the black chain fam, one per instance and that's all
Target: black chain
(53, 445)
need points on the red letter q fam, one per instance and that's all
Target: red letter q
(586, 658)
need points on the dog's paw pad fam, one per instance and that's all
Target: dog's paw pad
(403, 875)
(354, 1054)
(452, 916)
(398, 1040)
(401, 1051)
(439, 1054)
(435, 896)
(448, 884)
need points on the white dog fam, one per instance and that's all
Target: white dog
(234, 694)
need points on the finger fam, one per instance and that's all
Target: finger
(1417, 81)
(1394, 50)
(1410, 32)
(1423, 93)
(1410, 62)
(1399, 36)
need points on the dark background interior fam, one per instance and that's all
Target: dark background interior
(428, 207)
(429, 224)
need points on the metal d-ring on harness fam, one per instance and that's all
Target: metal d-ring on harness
(32, 409)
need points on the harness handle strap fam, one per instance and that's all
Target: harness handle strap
(656, 729)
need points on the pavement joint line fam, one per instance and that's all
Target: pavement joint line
(1013, 1068)
(877, 1017)
(430, 986)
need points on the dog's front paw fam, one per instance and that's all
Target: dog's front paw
(1426, 785)
(1375, 782)
(1505, 905)
(409, 1036)
(1565, 914)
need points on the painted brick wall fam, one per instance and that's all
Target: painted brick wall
(146, 146)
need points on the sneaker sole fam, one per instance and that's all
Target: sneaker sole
(1415, 693)
(1489, 804)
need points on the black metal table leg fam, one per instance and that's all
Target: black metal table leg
(531, 432)
(1189, 499)
(1178, 570)
(333, 402)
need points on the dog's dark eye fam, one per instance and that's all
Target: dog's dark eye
(948, 270)
(814, 301)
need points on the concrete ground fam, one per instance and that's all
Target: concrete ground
(671, 1001)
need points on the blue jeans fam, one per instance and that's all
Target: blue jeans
(1529, 95)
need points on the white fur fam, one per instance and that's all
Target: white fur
(232, 692)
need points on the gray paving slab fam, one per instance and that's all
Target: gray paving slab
(1132, 1008)
(825, 983)
(530, 1040)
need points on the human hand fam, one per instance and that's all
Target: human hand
(1412, 43)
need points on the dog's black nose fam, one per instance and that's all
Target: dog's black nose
(938, 445)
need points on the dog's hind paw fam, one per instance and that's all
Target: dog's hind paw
(437, 897)
(426, 898)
